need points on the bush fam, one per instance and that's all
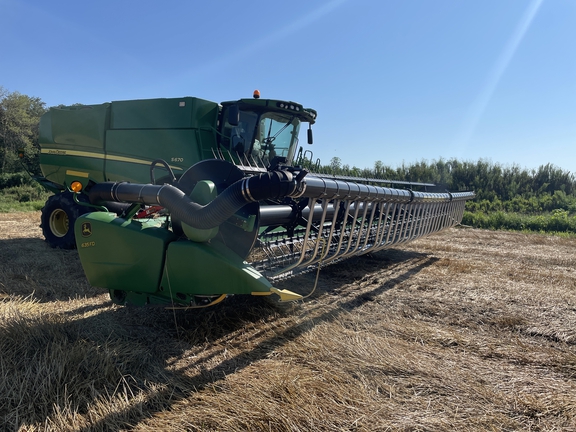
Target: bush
(23, 198)
(536, 223)
(559, 221)
(11, 180)
(476, 219)
(25, 193)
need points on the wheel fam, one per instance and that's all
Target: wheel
(57, 220)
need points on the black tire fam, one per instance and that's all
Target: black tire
(58, 217)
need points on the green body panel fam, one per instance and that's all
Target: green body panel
(130, 152)
(92, 167)
(129, 256)
(117, 141)
(118, 253)
(73, 139)
(209, 269)
(207, 142)
(73, 127)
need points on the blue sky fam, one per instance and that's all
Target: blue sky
(396, 81)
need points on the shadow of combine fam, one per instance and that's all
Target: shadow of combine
(165, 336)
(236, 315)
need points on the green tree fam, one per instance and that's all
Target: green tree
(19, 120)
(335, 165)
(378, 169)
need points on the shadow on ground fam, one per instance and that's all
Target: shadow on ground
(145, 343)
(29, 267)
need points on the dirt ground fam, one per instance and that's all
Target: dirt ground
(464, 330)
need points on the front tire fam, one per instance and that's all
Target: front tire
(57, 220)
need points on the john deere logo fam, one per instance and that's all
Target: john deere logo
(86, 229)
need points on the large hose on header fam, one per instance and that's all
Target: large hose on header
(269, 185)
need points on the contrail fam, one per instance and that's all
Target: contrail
(267, 40)
(477, 109)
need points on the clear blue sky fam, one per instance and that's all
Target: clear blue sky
(396, 81)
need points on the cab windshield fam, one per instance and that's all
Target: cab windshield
(277, 135)
(258, 139)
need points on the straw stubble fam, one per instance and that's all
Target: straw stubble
(463, 330)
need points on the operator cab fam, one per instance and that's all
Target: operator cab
(259, 131)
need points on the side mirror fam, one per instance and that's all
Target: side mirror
(310, 139)
(233, 115)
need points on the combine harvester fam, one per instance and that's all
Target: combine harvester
(231, 213)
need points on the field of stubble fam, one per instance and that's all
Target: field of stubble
(465, 330)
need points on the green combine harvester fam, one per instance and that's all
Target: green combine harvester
(181, 202)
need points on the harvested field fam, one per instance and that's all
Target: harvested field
(464, 330)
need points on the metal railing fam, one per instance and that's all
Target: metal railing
(342, 219)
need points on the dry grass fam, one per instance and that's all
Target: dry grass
(465, 330)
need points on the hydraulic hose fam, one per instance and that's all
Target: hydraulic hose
(269, 185)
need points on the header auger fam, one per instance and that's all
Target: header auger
(231, 214)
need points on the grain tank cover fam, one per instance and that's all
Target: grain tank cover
(73, 139)
(177, 113)
(83, 126)
(117, 141)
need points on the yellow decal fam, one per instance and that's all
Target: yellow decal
(100, 156)
(77, 173)
(88, 244)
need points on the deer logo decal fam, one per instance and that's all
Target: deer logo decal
(86, 229)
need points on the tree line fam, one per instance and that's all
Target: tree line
(489, 180)
(498, 187)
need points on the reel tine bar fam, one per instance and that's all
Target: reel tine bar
(344, 219)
